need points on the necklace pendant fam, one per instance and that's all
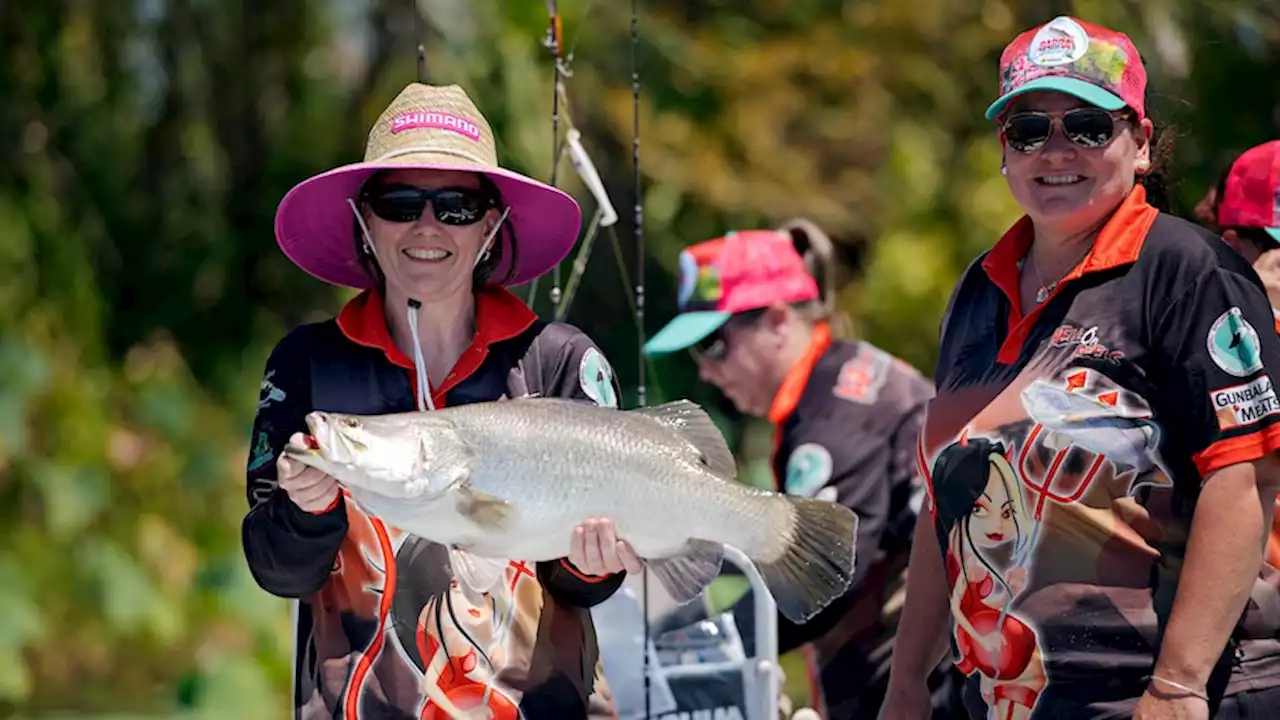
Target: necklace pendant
(1043, 294)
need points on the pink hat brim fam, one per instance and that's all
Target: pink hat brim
(314, 222)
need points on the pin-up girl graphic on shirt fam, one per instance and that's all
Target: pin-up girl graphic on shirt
(458, 646)
(981, 508)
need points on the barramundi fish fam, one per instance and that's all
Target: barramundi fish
(509, 480)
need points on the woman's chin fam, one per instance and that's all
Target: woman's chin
(432, 282)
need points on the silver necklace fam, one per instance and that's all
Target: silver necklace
(1045, 290)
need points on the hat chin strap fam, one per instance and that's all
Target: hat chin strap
(420, 365)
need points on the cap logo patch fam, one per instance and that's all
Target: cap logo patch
(414, 119)
(1060, 42)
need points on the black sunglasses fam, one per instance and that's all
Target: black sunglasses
(1088, 127)
(715, 346)
(450, 205)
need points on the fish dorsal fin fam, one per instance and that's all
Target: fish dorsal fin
(695, 425)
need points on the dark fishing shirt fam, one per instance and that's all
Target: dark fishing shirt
(380, 615)
(846, 420)
(1065, 451)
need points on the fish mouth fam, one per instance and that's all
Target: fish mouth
(316, 423)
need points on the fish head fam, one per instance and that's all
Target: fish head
(1042, 399)
(392, 455)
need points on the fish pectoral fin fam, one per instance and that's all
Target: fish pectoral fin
(477, 575)
(687, 573)
(695, 426)
(489, 513)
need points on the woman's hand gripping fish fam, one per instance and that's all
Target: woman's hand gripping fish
(509, 480)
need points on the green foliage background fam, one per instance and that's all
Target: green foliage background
(145, 146)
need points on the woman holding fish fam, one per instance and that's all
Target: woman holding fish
(757, 313)
(430, 228)
(1101, 454)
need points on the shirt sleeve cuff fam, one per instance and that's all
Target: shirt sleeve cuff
(1233, 451)
(581, 575)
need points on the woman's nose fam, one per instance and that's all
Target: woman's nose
(1058, 146)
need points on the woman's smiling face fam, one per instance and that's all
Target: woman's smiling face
(1069, 188)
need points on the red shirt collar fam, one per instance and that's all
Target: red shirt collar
(797, 378)
(500, 315)
(1118, 243)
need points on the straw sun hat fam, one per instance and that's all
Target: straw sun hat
(427, 127)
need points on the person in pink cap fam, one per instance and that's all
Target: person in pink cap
(1244, 207)
(1100, 457)
(429, 228)
(756, 311)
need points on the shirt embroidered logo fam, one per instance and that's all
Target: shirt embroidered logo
(596, 377)
(808, 470)
(1233, 344)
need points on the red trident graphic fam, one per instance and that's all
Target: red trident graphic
(1044, 491)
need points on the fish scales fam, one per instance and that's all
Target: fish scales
(510, 479)
(627, 470)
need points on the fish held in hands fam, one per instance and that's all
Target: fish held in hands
(509, 480)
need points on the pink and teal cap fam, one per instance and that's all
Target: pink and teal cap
(736, 273)
(1252, 195)
(1099, 66)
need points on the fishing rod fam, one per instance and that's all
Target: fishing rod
(554, 41)
(422, 50)
(638, 233)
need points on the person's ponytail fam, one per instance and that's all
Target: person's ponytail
(818, 253)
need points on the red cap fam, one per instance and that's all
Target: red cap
(732, 274)
(1097, 65)
(1251, 198)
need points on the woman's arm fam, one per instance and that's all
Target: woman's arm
(1215, 359)
(1224, 552)
(922, 637)
(290, 551)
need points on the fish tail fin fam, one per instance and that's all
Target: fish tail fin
(816, 564)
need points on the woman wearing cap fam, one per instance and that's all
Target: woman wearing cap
(1244, 207)
(1100, 455)
(757, 313)
(430, 228)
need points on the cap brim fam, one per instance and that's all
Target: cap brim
(684, 330)
(1087, 92)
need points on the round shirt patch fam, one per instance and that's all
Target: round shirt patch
(596, 378)
(808, 470)
(1234, 345)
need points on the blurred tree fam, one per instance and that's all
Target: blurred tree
(148, 143)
